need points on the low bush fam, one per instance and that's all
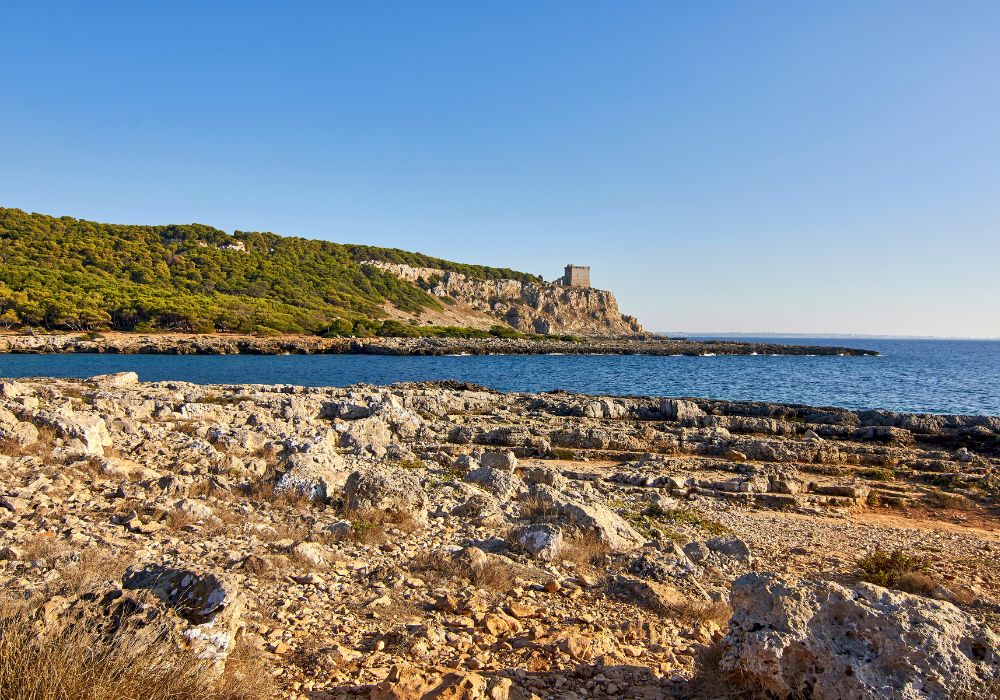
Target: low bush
(943, 500)
(686, 516)
(884, 568)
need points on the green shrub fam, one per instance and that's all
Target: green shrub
(884, 568)
(940, 499)
(686, 516)
(877, 474)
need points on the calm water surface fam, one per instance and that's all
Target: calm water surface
(937, 376)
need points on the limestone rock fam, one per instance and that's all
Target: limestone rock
(394, 491)
(731, 547)
(7, 418)
(210, 603)
(542, 541)
(367, 436)
(312, 552)
(90, 430)
(22, 434)
(544, 475)
(653, 595)
(500, 482)
(590, 517)
(11, 389)
(195, 509)
(530, 307)
(829, 642)
(118, 380)
(697, 551)
(317, 475)
(505, 461)
(409, 683)
(683, 411)
(483, 506)
(661, 566)
(605, 408)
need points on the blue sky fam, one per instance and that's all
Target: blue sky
(722, 166)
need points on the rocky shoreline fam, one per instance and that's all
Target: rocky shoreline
(193, 344)
(443, 540)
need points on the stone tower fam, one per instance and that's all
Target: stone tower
(576, 276)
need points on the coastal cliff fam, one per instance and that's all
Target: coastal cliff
(66, 274)
(525, 305)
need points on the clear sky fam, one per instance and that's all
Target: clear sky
(722, 166)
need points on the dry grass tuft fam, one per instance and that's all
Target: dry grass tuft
(42, 448)
(495, 575)
(587, 552)
(710, 682)
(225, 521)
(438, 567)
(916, 582)
(371, 526)
(45, 546)
(76, 661)
(693, 612)
(538, 509)
(944, 501)
(178, 519)
(93, 566)
(292, 499)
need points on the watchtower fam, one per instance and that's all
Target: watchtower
(576, 276)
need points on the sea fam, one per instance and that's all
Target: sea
(921, 376)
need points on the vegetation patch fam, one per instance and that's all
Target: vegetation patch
(887, 569)
(685, 516)
(711, 682)
(61, 273)
(877, 474)
(79, 661)
(586, 551)
(496, 574)
(944, 500)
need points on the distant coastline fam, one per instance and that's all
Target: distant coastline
(233, 344)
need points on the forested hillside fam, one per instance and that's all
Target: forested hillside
(69, 274)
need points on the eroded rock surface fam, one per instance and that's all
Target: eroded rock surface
(821, 640)
(445, 540)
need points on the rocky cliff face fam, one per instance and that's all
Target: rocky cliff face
(525, 306)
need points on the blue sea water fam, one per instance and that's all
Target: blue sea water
(934, 376)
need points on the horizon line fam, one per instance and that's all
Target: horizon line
(778, 334)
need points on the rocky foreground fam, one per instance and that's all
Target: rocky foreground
(234, 344)
(447, 541)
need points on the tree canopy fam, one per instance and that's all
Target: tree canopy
(62, 273)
